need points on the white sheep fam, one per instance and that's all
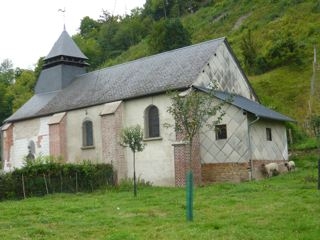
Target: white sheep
(290, 166)
(271, 169)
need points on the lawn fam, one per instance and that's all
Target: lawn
(282, 207)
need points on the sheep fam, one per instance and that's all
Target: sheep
(290, 166)
(270, 169)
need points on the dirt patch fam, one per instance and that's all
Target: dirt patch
(240, 21)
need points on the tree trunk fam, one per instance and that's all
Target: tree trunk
(134, 175)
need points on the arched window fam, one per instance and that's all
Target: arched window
(87, 133)
(31, 150)
(152, 122)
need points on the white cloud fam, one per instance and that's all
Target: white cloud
(30, 28)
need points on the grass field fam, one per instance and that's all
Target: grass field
(282, 207)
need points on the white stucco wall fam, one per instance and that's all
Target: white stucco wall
(35, 130)
(277, 149)
(156, 162)
(74, 121)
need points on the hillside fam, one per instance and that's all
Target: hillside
(279, 35)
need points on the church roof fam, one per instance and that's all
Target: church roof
(249, 106)
(65, 46)
(176, 69)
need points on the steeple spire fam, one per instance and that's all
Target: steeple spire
(61, 65)
(65, 51)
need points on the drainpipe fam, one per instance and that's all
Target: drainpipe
(249, 146)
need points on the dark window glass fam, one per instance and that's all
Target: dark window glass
(269, 134)
(87, 131)
(221, 131)
(153, 122)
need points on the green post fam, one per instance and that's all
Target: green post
(319, 174)
(189, 191)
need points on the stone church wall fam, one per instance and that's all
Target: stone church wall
(23, 136)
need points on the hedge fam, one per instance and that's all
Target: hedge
(39, 179)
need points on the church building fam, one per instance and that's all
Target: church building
(79, 116)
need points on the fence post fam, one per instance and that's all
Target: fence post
(23, 187)
(61, 181)
(76, 182)
(319, 174)
(45, 182)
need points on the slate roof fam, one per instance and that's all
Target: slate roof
(176, 69)
(250, 106)
(65, 46)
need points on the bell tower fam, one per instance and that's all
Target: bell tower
(64, 62)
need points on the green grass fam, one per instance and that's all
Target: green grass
(282, 207)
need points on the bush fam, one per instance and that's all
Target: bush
(44, 176)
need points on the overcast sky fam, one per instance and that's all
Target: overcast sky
(29, 28)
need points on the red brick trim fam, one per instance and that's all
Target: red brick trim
(181, 161)
(112, 151)
(58, 139)
(7, 134)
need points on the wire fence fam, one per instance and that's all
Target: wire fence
(69, 178)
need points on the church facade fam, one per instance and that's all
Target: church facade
(79, 116)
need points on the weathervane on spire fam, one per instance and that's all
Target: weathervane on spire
(64, 17)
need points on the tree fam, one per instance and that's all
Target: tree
(7, 72)
(7, 78)
(133, 138)
(168, 34)
(22, 90)
(191, 111)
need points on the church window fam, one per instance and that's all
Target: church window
(221, 131)
(31, 150)
(152, 122)
(87, 133)
(269, 134)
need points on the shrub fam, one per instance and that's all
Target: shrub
(44, 175)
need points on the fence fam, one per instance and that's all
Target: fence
(55, 178)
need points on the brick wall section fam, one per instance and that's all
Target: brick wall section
(235, 172)
(224, 172)
(58, 139)
(7, 135)
(181, 160)
(112, 151)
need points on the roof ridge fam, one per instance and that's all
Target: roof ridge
(158, 54)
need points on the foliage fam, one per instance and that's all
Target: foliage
(284, 51)
(7, 73)
(192, 110)
(168, 34)
(283, 207)
(307, 144)
(133, 138)
(315, 125)
(47, 174)
(158, 9)
(23, 88)
(253, 62)
(127, 183)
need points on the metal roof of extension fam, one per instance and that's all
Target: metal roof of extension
(250, 106)
(65, 46)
